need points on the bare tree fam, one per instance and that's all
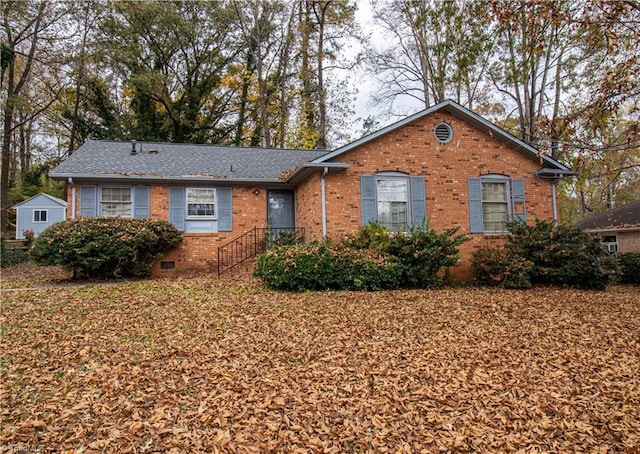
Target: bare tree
(30, 35)
(435, 50)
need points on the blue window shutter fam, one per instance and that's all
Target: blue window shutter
(368, 199)
(88, 200)
(140, 201)
(517, 200)
(476, 224)
(177, 206)
(418, 202)
(225, 211)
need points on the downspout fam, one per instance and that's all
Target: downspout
(554, 201)
(324, 203)
(73, 197)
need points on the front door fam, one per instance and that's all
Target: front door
(281, 210)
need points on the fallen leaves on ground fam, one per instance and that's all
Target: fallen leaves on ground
(207, 365)
(28, 275)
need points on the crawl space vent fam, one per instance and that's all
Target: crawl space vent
(443, 132)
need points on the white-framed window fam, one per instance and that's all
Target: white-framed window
(115, 201)
(393, 203)
(495, 206)
(201, 203)
(494, 201)
(40, 215)
(610, 243)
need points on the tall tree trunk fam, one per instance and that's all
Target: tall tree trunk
(75, 118)
(308, 110)
(321, 141)
(14, 88)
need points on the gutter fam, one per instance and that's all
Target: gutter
(167, 180)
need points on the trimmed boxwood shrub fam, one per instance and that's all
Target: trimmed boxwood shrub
(629, 267)
(105, 247)
(372, 259)
(560, 255)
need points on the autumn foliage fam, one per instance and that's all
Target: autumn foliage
(105, 247)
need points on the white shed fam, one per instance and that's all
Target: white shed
(37, 213)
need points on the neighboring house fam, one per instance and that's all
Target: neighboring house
(444, 165)
(618, 228)
(37, 213)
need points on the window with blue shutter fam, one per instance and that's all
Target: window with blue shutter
(201, 210)
(393, 199)
(494, 201)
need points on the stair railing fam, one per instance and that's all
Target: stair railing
(253, 243)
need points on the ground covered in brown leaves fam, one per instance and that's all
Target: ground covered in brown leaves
(201, 365)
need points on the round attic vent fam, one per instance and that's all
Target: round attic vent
(443, 132)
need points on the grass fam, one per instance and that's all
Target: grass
(199, 365)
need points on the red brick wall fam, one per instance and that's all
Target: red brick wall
(199, 251)
(413, 149)
(629, 241)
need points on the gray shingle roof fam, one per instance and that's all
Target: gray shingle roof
(624, 217)
(102, 159)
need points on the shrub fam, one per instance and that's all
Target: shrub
(323, 266)
(562, 255)
(497, 266)
(422, 253)
(369, 260)
(105, 247)
(370, 236)
(629, 267)
(545, 254)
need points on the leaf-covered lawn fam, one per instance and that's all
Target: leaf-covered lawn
(202, 365)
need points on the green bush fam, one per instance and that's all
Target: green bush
(372, 259)
(105, 247)
(370, 236)
(422, 253)
(323, 266)
(497, 266)
(629, 267)
(559, 255)
(562, 255)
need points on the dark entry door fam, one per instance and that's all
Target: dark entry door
(281, 210)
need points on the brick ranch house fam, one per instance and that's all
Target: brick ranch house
(444, 164)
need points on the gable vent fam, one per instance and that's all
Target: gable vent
(443, 132)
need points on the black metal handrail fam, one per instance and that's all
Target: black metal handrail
(253, 243)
